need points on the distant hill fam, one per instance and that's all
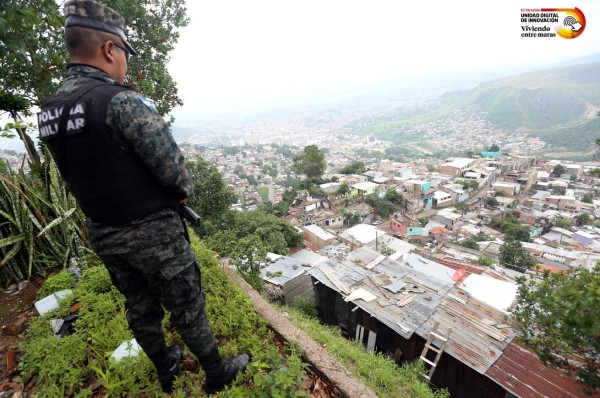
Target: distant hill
(559, 105)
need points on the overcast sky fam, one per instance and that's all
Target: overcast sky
(236, 51)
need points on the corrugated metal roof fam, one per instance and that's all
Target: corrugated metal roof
(478, 333)
(430, 268)
(290, 268)
(385, 278)
(308, 257)
(521, 372)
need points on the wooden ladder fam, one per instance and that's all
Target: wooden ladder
(435, 335)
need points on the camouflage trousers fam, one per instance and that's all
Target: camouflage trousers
(165, 275)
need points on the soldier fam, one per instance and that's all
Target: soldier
(119, 159)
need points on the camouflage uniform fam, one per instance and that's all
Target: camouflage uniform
(148, 259)
(119, 158)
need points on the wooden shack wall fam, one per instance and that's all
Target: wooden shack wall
(300, 286)
(460, 380)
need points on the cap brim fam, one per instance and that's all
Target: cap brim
(129, 47)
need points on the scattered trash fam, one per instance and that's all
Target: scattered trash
(361, 294)
(23, 284)
(75, 271)
(15, 289)
(10, 289)
(50, 302)
(65, 326)
(56, 325)
(128, 348)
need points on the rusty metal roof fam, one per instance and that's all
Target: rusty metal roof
(478, 333)
(521, 372)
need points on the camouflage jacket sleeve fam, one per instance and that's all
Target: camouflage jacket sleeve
(136, 126)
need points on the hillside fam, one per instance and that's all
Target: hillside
(553, 104)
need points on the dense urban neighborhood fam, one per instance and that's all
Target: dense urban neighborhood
(420, 259)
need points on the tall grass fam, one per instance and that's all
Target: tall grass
(41, 226)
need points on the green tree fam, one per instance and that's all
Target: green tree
(492, 202)
(588, 198)
(562, 223)
(556, 190)
(310, 162)
(558, 316)
(494, 148)
(511, 227)
(247, 255)
(356, 167)
(463, 207)
(513, 255)
(485, 261)
(350, 218)
(558, 170)
(382, 207)
(393, 196)
(212, 199)
(583, 219)
(276, 235)
(481, 237)
(343, 189)
(469, 244)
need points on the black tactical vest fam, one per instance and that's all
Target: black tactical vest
(111, 185)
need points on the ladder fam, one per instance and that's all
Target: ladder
(438, 348)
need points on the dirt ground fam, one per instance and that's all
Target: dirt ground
(16, 308)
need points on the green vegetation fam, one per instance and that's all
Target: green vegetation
(583, 219)
(375, 370)
(356, 167)
(468, 185)
(558, 170)
(310, 162)
(382, 207)
(469, 244)
(535, 101)
(492, 202)
(212, 198)
(514, 255)
(588, 198)
(485, 261)
(511, 227)
(41, 224)
(67, 366)
(33, 56)
(343, 189)
(558, 316)
(562, 223)
(351, 219)
(463, 207)
(393, 196)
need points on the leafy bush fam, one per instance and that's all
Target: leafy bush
(62, 367)
(63, 280)
(307, 306)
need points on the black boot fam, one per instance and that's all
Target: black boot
(220, 373)
(167, 366)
